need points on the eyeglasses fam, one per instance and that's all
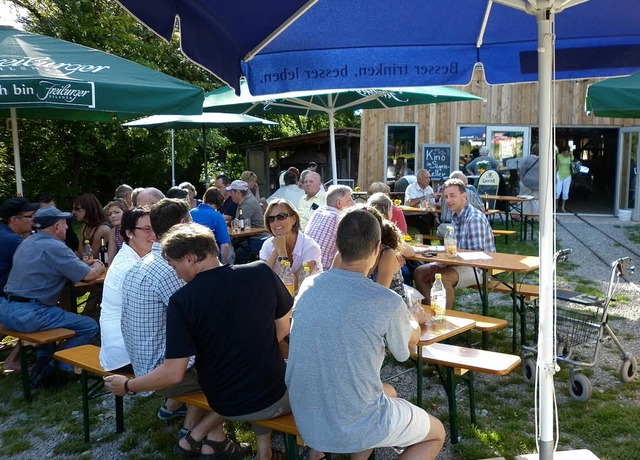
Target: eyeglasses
(78, 208)
(26, 216)
(281, 216)
(144, 229)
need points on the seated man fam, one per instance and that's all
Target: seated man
(247, 249)
(472, 197)
(42, 265)
(472, 232)
(239, 364)
(333, 373)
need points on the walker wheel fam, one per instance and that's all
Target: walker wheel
(580, 387)
(628, 369)
(529, 371)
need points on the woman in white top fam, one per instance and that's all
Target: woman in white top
(138, 236)
(287, 240)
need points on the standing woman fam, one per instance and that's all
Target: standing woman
(88, 210)
(287, 240)
(138, 236)
(563, 176)
(114, 211)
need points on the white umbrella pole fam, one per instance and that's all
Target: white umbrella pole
(332, 141)
(546, 358)
(173, 159)
(16, 151)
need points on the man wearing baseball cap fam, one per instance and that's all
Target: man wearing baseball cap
(250, 209)
(42, 266)
(17, 216)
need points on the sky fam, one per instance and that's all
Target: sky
(8, 15)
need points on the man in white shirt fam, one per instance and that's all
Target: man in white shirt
(417, 192)
(289, 191)
(314, 197)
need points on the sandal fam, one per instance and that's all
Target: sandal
(194, 445)
(226, 449)
(279, 455)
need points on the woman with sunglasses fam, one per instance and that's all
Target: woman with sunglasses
(138, 236)
(88, 210)
(287, 241)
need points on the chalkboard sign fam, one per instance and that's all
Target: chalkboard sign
(436, 158)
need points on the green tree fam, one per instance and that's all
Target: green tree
(70, 158)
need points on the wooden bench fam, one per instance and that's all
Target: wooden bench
(524, 294)
(34, 339)
(505, 233)
(483, 323)
(85, 360)
(460, 363)
(284, 424)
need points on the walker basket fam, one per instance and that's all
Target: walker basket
(576, 327)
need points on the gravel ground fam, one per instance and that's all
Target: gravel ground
(589, 266)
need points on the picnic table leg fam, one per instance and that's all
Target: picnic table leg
(119, 414)
(85, 404)
(419, 377)
(485, 307)
(291, 447)
(450, 388)
(24, 364)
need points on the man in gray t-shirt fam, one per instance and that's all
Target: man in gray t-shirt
(342, 322)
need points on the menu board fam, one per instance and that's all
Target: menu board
(436, 158)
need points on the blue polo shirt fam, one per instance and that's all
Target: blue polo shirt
(205, 215)
(9, 242)
(42, 264)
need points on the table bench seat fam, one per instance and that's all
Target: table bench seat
(483, 323)
(30, 339)
(284, 424)
(85, 360)
(459, 363)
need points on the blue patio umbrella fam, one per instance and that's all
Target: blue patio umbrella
(326, 44)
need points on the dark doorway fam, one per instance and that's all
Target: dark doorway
(593, 189)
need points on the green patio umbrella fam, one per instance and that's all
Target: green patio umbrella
(202, 121)
(617, 97)
(328, 102)
(46, 78)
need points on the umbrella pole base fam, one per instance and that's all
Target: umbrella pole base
(580, 454)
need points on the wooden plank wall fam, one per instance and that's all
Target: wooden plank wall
(504, 104)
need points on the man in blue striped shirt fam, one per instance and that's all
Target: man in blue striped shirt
(473, 232)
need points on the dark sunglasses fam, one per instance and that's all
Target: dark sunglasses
(281, 216)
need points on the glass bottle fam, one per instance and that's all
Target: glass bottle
(438, 299)
(103, 252)
(240, 221)
(87, 251)
(451, 243)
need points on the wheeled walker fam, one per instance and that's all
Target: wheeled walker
(581, 324)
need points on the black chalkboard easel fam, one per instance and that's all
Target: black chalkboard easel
(436, 158)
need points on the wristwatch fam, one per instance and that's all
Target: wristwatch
(126, 387)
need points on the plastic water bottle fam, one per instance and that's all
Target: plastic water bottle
(438, 299)
(451, 243)
(304, 274)
(287, 277)
(87, 251)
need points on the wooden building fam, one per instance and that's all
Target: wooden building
(507, 119)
